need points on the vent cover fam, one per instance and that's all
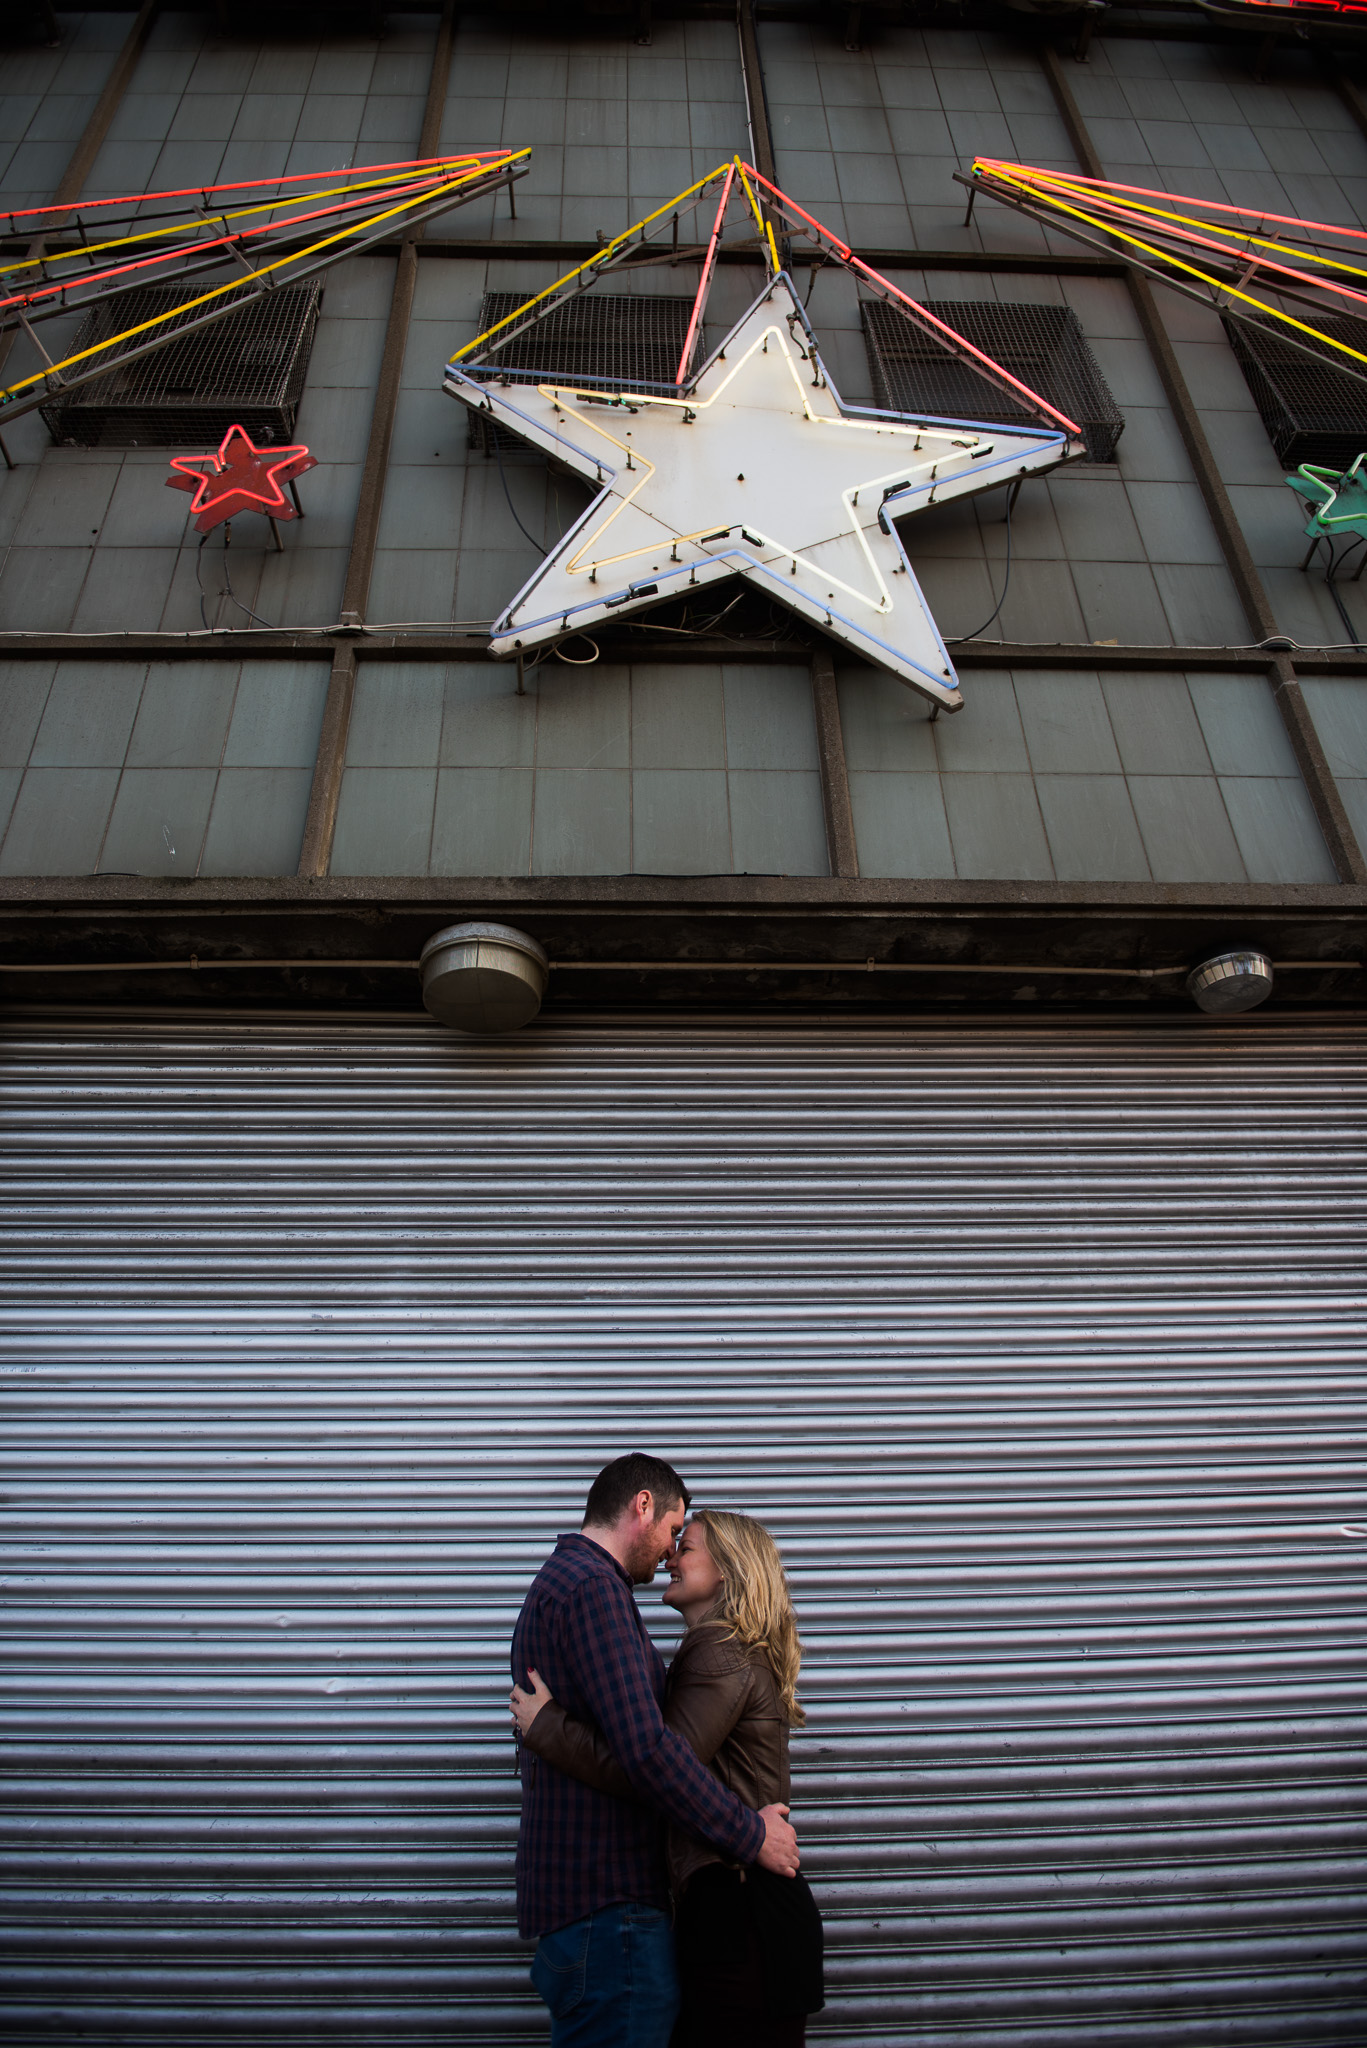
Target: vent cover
(1042, 345)
(596, 339)
(1312, 411)
(247, 369)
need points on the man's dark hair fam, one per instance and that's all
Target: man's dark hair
(618, 1484)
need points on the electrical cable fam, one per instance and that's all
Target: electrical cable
(228, 580)
(570, 660)
(710, 625)
(1006, 585)
(540, 546)
(199, 578)
(691, 629)
(227, 592)
(1353, 545)
(1340, 607)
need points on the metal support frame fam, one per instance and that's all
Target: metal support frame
(1220, 293)
(265, 284)
(330, 762)
(1344, 851)
(841, 850)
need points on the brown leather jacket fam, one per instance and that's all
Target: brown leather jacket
(723, 1700)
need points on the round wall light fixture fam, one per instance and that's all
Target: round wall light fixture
(1230, 982)
(484, 979)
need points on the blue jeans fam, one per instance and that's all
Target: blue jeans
(610, 1980)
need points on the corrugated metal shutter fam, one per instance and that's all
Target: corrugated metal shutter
(1038, 1348)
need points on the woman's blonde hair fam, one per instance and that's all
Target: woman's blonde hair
(754, 1600)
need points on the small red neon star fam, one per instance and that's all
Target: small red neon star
(240, 478)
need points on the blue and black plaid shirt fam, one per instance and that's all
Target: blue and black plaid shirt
(578, 1849)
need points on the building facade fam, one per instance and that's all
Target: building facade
(868, 1156)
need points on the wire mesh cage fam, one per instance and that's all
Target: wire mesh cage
(1313, 412)
(602, 340)
(1042, 345)
(247, 369)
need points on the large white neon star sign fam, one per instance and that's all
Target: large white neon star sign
(755, 468)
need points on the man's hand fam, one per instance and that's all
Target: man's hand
(525, 1706)
(779, 1853)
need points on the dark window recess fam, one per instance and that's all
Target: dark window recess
(246, 370)
(25, 21)
(1312, 411)
(603, 340)
(1042, 345)
(339, 17)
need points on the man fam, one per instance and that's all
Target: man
(590, 1868)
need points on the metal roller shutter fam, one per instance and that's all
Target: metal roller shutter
(1039, 1350)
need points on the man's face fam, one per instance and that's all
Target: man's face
(653, 1544)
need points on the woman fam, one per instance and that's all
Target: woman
(749, 1943)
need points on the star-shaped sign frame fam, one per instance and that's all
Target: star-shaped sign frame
(752, 465)
(240, 478)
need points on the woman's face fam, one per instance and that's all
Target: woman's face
(694, 1580)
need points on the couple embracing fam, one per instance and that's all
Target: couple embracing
(656, 1867)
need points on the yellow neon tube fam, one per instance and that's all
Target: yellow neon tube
(1051, 183)
(606, 250)
(766, 231)
(1192, 270)
(236, 213)
(236, 284)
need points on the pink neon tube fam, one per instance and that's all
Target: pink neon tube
(708, 262)
(1173, 198)
(463, 156)
(1003, 376)
(1188, 238)
(86, 277)
(996, 370)
(790, 206)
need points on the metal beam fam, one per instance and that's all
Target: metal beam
(841, 850)
(1340, 838)
(640, 645)
(1351, 95)
(96, 129)
(1023, 261)
(756, 99)
(109, 907)
(330, 763)
(107, 105)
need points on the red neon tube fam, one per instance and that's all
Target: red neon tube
(709, 262)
